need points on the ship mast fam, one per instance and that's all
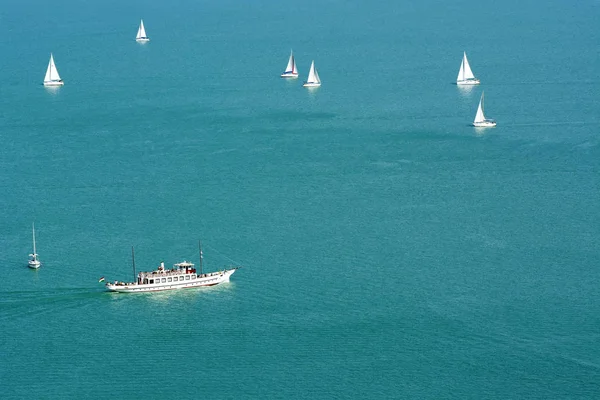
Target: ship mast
(133, 263)
(200, 248)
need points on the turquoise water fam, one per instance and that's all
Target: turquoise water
(390, 250)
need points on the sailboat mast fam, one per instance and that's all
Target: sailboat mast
(133, 263)
(200, 248)
(52, 67)
(33, 233)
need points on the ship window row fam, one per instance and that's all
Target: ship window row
(174, 279)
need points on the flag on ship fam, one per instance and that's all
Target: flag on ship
(101, 279)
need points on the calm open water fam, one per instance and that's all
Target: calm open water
(390, 250)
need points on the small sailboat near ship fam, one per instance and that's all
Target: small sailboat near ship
(34, 262)
(465, 75)
(141, 36)
(290, 71)
(52, 77)
(480, 120)
(183, 275)
(313, 77)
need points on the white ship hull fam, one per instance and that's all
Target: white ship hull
(289, 75)
(54, 83)
(195, 281)
(468, 82)
(34, 264)
(307, 84)
(142, 40)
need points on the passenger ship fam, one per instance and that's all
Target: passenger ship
(182, 276)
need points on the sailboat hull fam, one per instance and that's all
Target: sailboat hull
(311, 84)
(468, 82)
(34, 264)
(292, 75)
(142, 40)
(485, 124)
(54, 83)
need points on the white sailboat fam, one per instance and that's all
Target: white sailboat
(480, 120)
(33, 261)
(313, 77)
(52, 77)
(290, 71)
(465, 75)
(141, 33)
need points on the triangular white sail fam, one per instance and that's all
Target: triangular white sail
(311, 74)
(290, 70)
(479, 117)
(461, 71)
(52, 71)
(466, 68)
(291, 66)
(141, 33)
(52, 75)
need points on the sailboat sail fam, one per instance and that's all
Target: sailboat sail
(141, 34)
(461, 71)
(48, 76)
(311, 74)
(317, 79)
(479, 117)
(51, 71)
(290, 70)
(291, 65)
(465, 72)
